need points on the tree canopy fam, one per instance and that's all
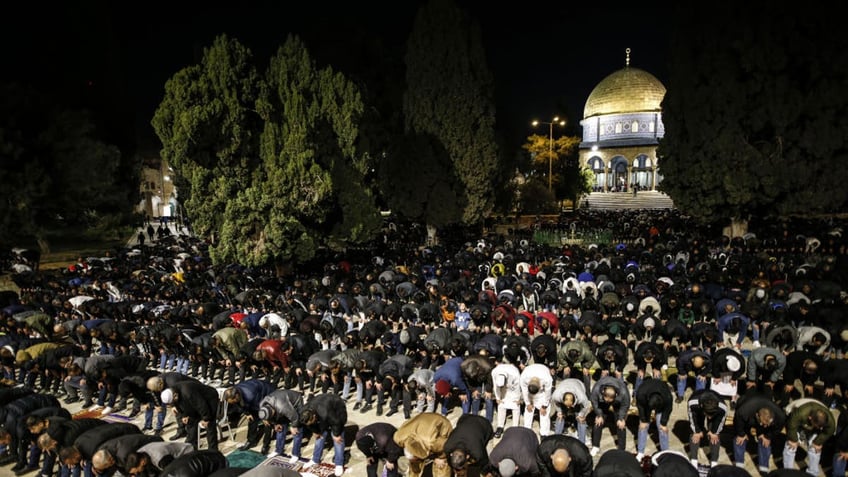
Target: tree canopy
(754, 121)
(56, 172)
(271, 159)
(449, 98)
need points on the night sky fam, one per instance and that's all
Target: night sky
(115, 57)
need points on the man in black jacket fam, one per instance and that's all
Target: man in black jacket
(466, 444)
(653, 396)
(563, 456)
(40, 418)
(87, 443)
(706, 418)
(325, 414)
(195, 404)
(112, 454)
(63, 434)
(515, 453)
(756, 417)
(376, 441)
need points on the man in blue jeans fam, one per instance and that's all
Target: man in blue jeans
(324, 415)
(757, 417)
(653, 396)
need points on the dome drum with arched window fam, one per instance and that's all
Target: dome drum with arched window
(622, 126)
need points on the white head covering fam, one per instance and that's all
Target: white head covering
(167, 396)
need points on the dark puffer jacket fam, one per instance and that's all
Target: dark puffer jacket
(197, 463)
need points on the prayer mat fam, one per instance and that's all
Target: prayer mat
(246, 459)
(323, 469)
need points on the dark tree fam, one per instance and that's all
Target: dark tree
(450, 98)
(756, 113)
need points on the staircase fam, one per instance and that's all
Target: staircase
(626, 200)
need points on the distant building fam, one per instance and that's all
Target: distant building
(622, 125)
(158, 193)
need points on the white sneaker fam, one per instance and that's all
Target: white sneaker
(640, 456)
(594, 451)
(106, 410)
(339, 471)
(294, 459)
(755, 344)
(713, 464)
(272, 454)
(764, 470)
(309, 464)
(94, 407)
(694, 463)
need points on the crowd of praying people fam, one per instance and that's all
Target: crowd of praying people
(537, 348)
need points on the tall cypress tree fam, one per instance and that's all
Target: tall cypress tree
(755, 113)
(307, 191)
(449, 98)
(209, 130)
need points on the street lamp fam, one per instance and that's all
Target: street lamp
(550, 124)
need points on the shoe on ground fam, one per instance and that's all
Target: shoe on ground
(640, 456)
(365, 408)
(407, 416)
(106, 410)
(678, 399)
(499, 432)
(272, 454)
(157, 432)
(87, 404)
(391, 412)
(177, 436)
(94, 407)
(309, 464)
(357, 405)
(763, 470)
(713, 464)
(339, 471)
(246, 446)
(595, 451)
(72, 400)
(18, 466)
(294, 459)
(26, 470)
(379, 410)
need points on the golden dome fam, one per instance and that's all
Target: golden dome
(627, 90)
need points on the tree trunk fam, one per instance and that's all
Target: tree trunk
(432, 239)
(43, 245)
(737, 228)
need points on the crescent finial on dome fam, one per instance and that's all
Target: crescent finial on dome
(627, 58)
